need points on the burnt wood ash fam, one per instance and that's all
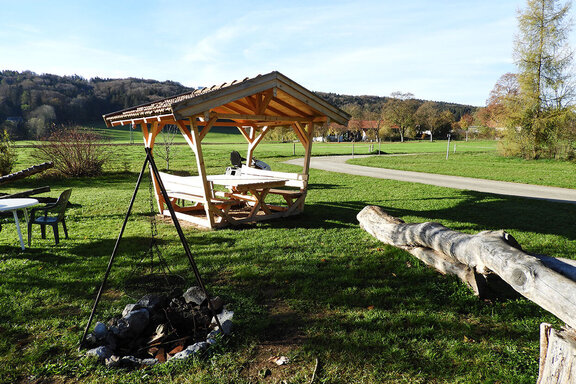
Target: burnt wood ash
(159, 328)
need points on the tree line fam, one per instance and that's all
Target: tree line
(401, 116)
(32, 105)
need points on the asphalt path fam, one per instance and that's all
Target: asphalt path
(338, 164)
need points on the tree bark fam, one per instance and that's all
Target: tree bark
(557, 355)
(543, 280)
(26, 172)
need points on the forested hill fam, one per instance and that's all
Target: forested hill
(36, 102)
(373, 104)
(31, 103)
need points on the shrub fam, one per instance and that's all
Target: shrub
(74, 152)
(7, 154)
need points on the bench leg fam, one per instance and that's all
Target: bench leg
(297, 206)
(260, 195)
(289, 200)
(223, 213)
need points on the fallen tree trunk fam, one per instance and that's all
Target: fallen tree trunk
(26, 172)
(475, 258)
(30, 192)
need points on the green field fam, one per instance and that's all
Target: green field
(483, 165)
(314, 286)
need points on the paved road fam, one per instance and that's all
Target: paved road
(338, 164)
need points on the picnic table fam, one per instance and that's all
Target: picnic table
(249, 188)
(225, 195)
(13, 205)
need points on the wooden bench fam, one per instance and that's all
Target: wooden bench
(294, 180)
(190, 188)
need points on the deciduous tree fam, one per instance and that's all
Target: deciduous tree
(466, 122)
(428, 117)
(399, 111)
(8, 155)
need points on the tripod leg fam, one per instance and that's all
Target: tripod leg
(113, 256)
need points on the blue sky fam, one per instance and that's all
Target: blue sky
(453, 50)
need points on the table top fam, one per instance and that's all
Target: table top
(247, 182)
(12, 204)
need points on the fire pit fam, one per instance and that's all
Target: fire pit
(159, 328)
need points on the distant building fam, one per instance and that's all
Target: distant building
(356, 130)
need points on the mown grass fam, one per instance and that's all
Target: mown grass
(484, 165)
(312, 286)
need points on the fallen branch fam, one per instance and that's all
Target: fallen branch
(546, 281)
(314, 373)
(26, 172)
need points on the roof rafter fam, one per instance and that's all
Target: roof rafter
(244, 117)
(291, 107)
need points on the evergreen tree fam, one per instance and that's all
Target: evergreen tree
(546, 92)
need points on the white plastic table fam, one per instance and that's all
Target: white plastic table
(14, 205)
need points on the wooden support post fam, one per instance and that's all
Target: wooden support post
(250, 152)
(149, 135)
(244, 133)
(308, 149)
(301, 133)
(557, 355)
(145, 135)
(254, 143)
(207, 126)
(197, 147)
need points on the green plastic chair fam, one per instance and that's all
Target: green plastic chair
(53, 214)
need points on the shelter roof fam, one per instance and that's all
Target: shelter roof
(272, 98)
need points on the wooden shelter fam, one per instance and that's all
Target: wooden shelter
(255, 106)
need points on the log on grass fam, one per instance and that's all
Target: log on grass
(26, 172)
(545, 281)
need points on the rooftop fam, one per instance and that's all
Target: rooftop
(272, 97)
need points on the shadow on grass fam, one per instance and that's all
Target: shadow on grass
(75, 275)
(338, 294)
(493, 212)
(323, 186)
(483, 211)
(374, 306)
(380, 307)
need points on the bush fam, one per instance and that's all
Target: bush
(7, 154)
(283, 134)
(74, 152)
(559, 144)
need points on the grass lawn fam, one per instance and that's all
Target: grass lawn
(314, 286)
(484, 165)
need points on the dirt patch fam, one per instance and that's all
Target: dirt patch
(112, 294)
(183, 223)
(283, 338)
